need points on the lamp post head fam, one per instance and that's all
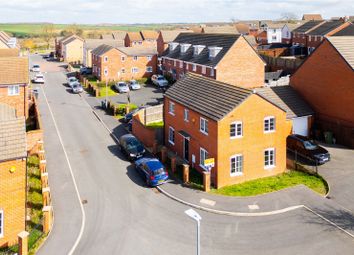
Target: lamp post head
(193, 214)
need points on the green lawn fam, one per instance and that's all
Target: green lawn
(274, 183)
(156, 124)
(108, 90)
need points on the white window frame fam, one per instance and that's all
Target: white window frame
(149, 69)
(204, 128)
(186, 115)
(238, 165)
(135, 58)
(149, 57)
(122, 70)
(180, 64)
(267, 164)
(194, 67)
(205, 154)
(236, 123)
(203, 69)
(171, 108)
(105, 59)
(170, 131)
(268, 118)
(2, 223)
(105, 71)
(212, 73)
(13, 90)
(135, 70)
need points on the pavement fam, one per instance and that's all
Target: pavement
(123, 216)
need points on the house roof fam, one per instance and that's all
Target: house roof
(348, 31)
(138, 51)
(135, 36)
(7, 112)
(273, 75)
(5, 35)
(285, 97)
(326, 27)
(94, 43)
(102, 49)
(220, 40)
(312, 17)
(149, 34)
(220, 30)
(119, 35)
(345, 47)
(12, 139)
(13, 70)
(107, 36)
(251, 40)
(307, 26)
(13, 52)
(242, 28)
(210, 98)
(71, 39)
(170, 35)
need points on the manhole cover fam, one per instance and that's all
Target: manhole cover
(84, 201)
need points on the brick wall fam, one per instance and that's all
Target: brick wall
(145, 135)
(12, 199)
(19, 102)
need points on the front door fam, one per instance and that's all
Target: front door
(186, 149)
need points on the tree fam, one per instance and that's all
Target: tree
(48, 32)
(289, 17)
(28, 44)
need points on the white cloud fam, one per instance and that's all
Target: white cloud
(160, 11)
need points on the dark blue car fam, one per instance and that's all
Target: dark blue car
(152, 171)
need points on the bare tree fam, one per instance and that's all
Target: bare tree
(48, 32)
(289, 17)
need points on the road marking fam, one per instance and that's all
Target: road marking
(253, 207)
(83, 220)
(207, 202)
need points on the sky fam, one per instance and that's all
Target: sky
(163, 11)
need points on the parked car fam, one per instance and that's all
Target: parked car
(131, 146)
(85, 70)
(51, 54)
(134, 85)
(75, 84)
(159, 81)
(72, 81)
(122, 87)
(307, 148)
(39, 78)
(129, 116)
(77, 88)
(152, 170)
(36, 68)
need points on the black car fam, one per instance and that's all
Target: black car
(131, 146)
(129, 116)
(85, 70)
(307, 148)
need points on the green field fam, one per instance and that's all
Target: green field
(28, 30)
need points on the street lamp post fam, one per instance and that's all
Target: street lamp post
(106, 92)
(195, 216)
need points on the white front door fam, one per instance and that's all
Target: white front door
(301, 126)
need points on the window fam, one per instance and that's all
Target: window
(149, 69)
(211, 71)
(13, 90)
(236, 165)
(105, 59)
(203, 69)
(181, 64)
(135, 58)
(171, 108)
(123, 70)
(140, 42)
(269, 124)
(214, 51)
(236, 129)
(122, 58)
(171, 135)
(1, 223)
(106, 71)
(135, 70)
(204, 126)
(274, 37)
(203, 157)
(269, 158)
(186, 115)
(149, 58)
(194, 67)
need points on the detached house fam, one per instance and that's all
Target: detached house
(242, 131)
(224, 57)
(149, 37)
(325, 80)
(14, 80)
(123, 63)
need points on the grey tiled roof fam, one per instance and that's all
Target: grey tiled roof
(220, 40)
(102, 49)
(307, 26)
(210, 98)
(273, 75)
(326, 27)
(138, 51)
(345, 46)
(94, 43)
(348, 31)
(7, 112)
(12, 139)
(288, 99)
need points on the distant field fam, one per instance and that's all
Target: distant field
(28, 30)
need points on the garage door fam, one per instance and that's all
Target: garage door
(300, 126)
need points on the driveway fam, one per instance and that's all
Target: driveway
(123, 216)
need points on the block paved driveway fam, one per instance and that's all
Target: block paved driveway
(122, 216)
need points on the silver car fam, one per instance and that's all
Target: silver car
(159, 81)
(134, 85)
(122, 87)
(72, 81)
(77, 88)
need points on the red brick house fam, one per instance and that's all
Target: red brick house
(123, 63)
(242, 131)
(310, 17)
(325, 80)
(14, 80)
(133, 39)
(165, 37)
(225, 57)
(298, 35)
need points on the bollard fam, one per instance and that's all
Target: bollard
(127, 108)
(47, 219)
(163, 154)
(23, 243)
(206, 181)
(185, 173)
(173, 164)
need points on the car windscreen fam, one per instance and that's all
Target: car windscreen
(159, 171)
(35, 66)
(309, 145)
(133, 144)
(122, 85)
(160, 78)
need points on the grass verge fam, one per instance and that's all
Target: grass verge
(156, 125)
(274, 183)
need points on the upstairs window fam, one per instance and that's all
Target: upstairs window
(13, 90)
(135, 58)
(214, 51)
(180, 64)
(194, 67)
(204, 126)
(1, 223)
(186, 115)
(105, 59)
(236, 129)
(185, 47)
(198, 49)
(149, 57)
(171, 108)
(122, 58)
(149, 69)
(135, 70)
(172, 46)
(269, 124)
